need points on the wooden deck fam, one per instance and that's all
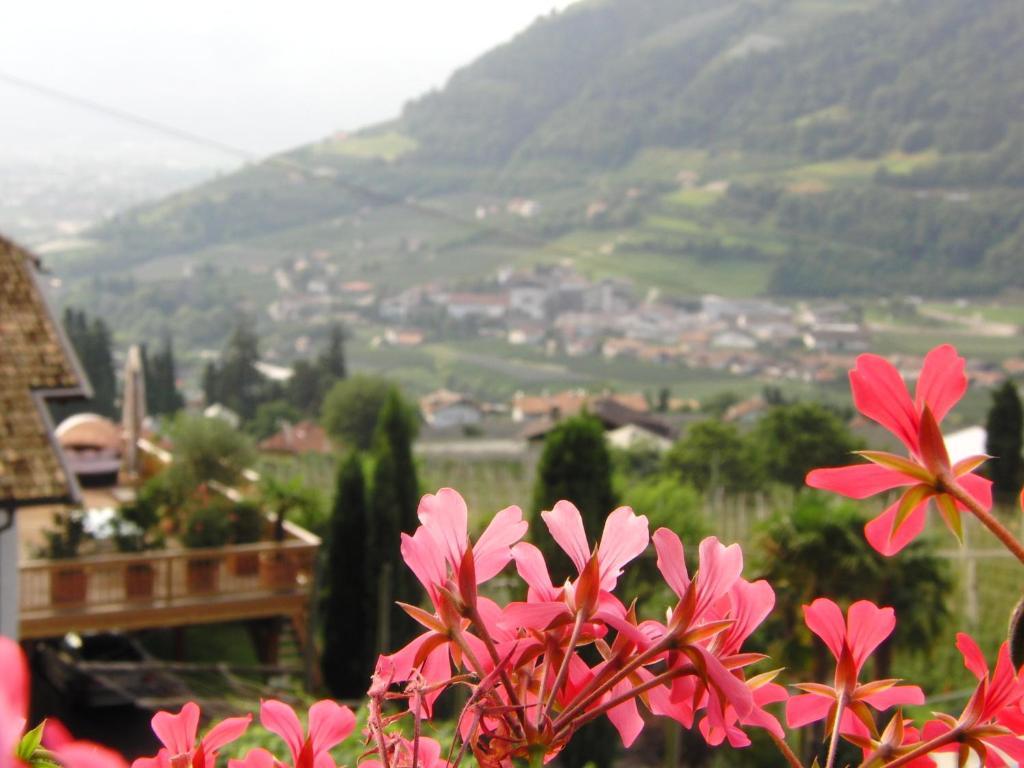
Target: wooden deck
(170, 588)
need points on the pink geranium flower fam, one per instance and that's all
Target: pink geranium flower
(177, 732)
(851, 641)
(450, 568)
(880, 393)
(14, 700)
(992, 719)
(625, 537)
(329, 725)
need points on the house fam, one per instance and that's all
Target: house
(733, 340)
(532, 334)
(404, 337)
(528, 298)
(613, 414)
(36, 365)
(569, 403)
(297, 439)
(444, 408)
(837, 337)
(482, 306)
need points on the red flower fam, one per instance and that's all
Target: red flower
(329, 725)
(181, 748)
(851, 641)
(991, 723)
(14, 690)
(880, 394)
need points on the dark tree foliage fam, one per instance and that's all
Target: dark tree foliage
(1004, 441)
(713, 454)
(349, 610)
(353, 406)
(332, 360)
(91, 341)
(791, 440)
(271, 417)
(392, 445)
(386, 569)
(575, 465)
(162, 395)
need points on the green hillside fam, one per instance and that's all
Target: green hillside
(788, 147)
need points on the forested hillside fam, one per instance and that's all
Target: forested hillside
(841, 146)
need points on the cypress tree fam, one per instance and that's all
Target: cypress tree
(385, 569)
(1004, 441)
(332, 361)
(350, 612)
(574, 465)
(92, 344)
(395, 501)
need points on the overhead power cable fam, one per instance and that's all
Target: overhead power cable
(358, 189)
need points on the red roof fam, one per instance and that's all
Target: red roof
(304, 437)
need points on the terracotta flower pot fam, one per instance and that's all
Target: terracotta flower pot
(203, 576)
(245, 565)
(68, 586)
(139, 580)
(278, 570)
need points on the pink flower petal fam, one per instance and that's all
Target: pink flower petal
(424, 559)
(979, 487)
(671, 562)
(625, 537)
(445, 515)
(534, 571)
(82, 754)
(257, 758)
(719, 568)
(858, 481)
(942, 381)
(880, 393)
(329, 724)
(277, 717)
(14, 682)
(898, 694)
(225, 732)
(625, 717)
(824, 619)
(538, 616)
(879, 531)
(493, 549)
(178, 732)
(566, 526)
(806, 708)
(867, 626)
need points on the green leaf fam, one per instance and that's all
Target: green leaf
(951, 515)
(30, 742)
(899, 463)
(910, 501)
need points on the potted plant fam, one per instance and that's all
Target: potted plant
(205, 528)
(278, 569)
(68, 583)
(135, 532)
(245, 526)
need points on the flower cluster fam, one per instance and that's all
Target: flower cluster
(538, 669)
(543, 667)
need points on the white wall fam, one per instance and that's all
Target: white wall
(9, 578)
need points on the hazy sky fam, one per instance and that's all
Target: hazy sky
(260, 75)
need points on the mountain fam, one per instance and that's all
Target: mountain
(811, 147)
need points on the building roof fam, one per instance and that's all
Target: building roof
(444, 398)
(89, 429)
(36, 363)
(304, 437)
(611, 412)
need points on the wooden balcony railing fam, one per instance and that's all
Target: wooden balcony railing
(167, 587)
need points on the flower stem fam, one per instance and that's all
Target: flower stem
(787, 753)
(1001, 532)
(834, 742)
(563, 669)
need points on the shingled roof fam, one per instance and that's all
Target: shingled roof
(36, 364)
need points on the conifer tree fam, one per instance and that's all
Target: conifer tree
(574, 465)
(396, 494)
(92, 344)
(162, 395)
(332, 361)
(350, 611)
(1004, 441)
(385, 569)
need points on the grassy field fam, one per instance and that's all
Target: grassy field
(387, 145)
